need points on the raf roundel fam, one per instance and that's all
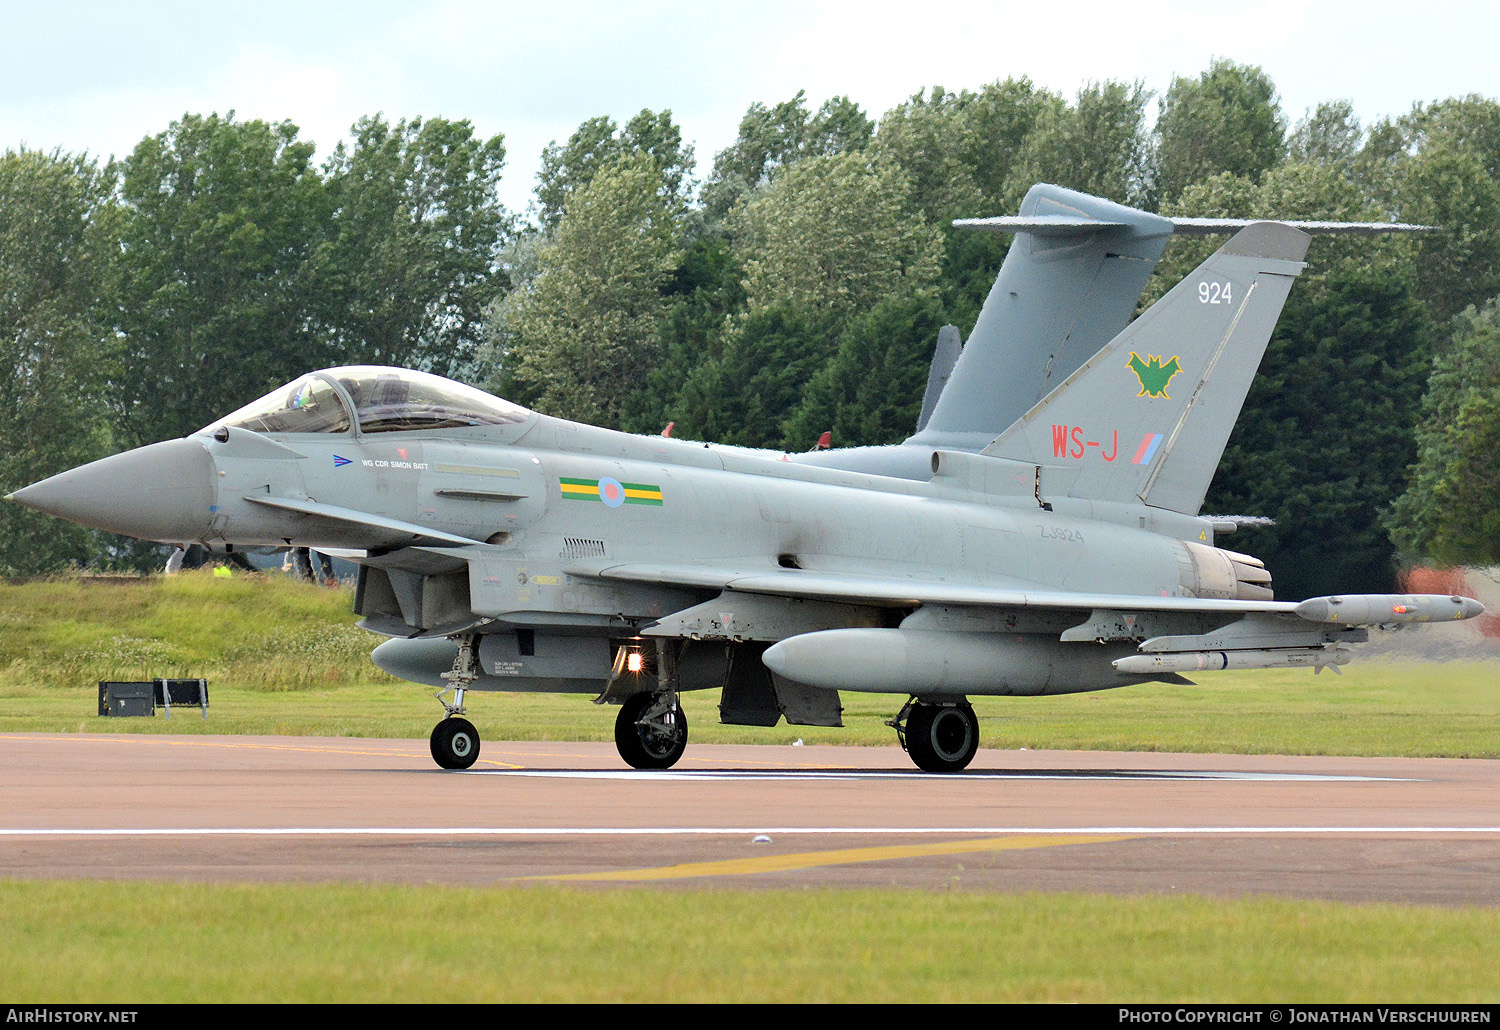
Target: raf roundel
(611, 492)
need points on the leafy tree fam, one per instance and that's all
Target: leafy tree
(928, 138)
(409, 263)
(1228, 119)
(564, 168)
(742, 394)
(839, 126)
(773, 138)
(222, 221)
(1098, 145)
(996, 121)
(1330, 134)
(1439, 165)
(870, 392)
(1376, 164)
(1471, 122)
(1448, 187)
(582, 335)
(826, 240)
(960, 154)
(599, 142)
(1293, 190)
(971, 261)
(702, 293)
(1448, 513)
(58, 224)
(958, 150)
(832, 234)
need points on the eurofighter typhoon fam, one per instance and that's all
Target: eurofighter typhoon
(1040, 534)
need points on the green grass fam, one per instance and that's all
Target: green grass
(285, 657)
(193, 943)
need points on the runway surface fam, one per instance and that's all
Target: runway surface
(235, 809)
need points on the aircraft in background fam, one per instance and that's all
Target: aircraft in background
(503, 549)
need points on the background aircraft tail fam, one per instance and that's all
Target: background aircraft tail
(1147, 417)
(1069, 283)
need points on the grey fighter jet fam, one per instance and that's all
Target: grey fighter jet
(503, 549)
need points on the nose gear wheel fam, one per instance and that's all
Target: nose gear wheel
(455, 743)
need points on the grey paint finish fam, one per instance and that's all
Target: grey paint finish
(1058, 299)
(950, 345)
(938, 664)
(1044, 565)
(160, 492)
(1073, 253)
(1148, 415)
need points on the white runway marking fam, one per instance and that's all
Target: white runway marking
(643, 831)
(972, 776)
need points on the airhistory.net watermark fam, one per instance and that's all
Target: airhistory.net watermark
(46, 1014)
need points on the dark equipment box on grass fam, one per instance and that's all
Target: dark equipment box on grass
(182, 692)
(124, 699)
(138, 699)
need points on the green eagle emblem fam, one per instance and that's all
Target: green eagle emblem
(1154, 376)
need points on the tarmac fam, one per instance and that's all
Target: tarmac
(194, 808)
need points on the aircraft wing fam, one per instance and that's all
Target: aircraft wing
(853, 588)
(950, 651)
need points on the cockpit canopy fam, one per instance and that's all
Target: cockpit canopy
(377, 398)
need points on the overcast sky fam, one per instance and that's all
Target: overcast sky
(98, 77)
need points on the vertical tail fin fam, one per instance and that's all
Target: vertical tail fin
(1069, 283)
(1147, 417)
(950, 344)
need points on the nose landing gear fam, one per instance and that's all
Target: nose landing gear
(455, 741)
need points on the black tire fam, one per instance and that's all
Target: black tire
(649, 747)
(942, 738)
(455, 743)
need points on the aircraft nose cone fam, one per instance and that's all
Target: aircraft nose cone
(159, 492)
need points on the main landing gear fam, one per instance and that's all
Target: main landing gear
(651, 730)
(455, 741)
(938, 737)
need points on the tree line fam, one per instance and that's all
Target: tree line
(798, 288)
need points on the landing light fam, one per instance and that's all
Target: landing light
(634, 661)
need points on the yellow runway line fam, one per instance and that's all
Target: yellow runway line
(843, 856)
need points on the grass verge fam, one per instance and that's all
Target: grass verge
(284, 657)
(67, 942)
